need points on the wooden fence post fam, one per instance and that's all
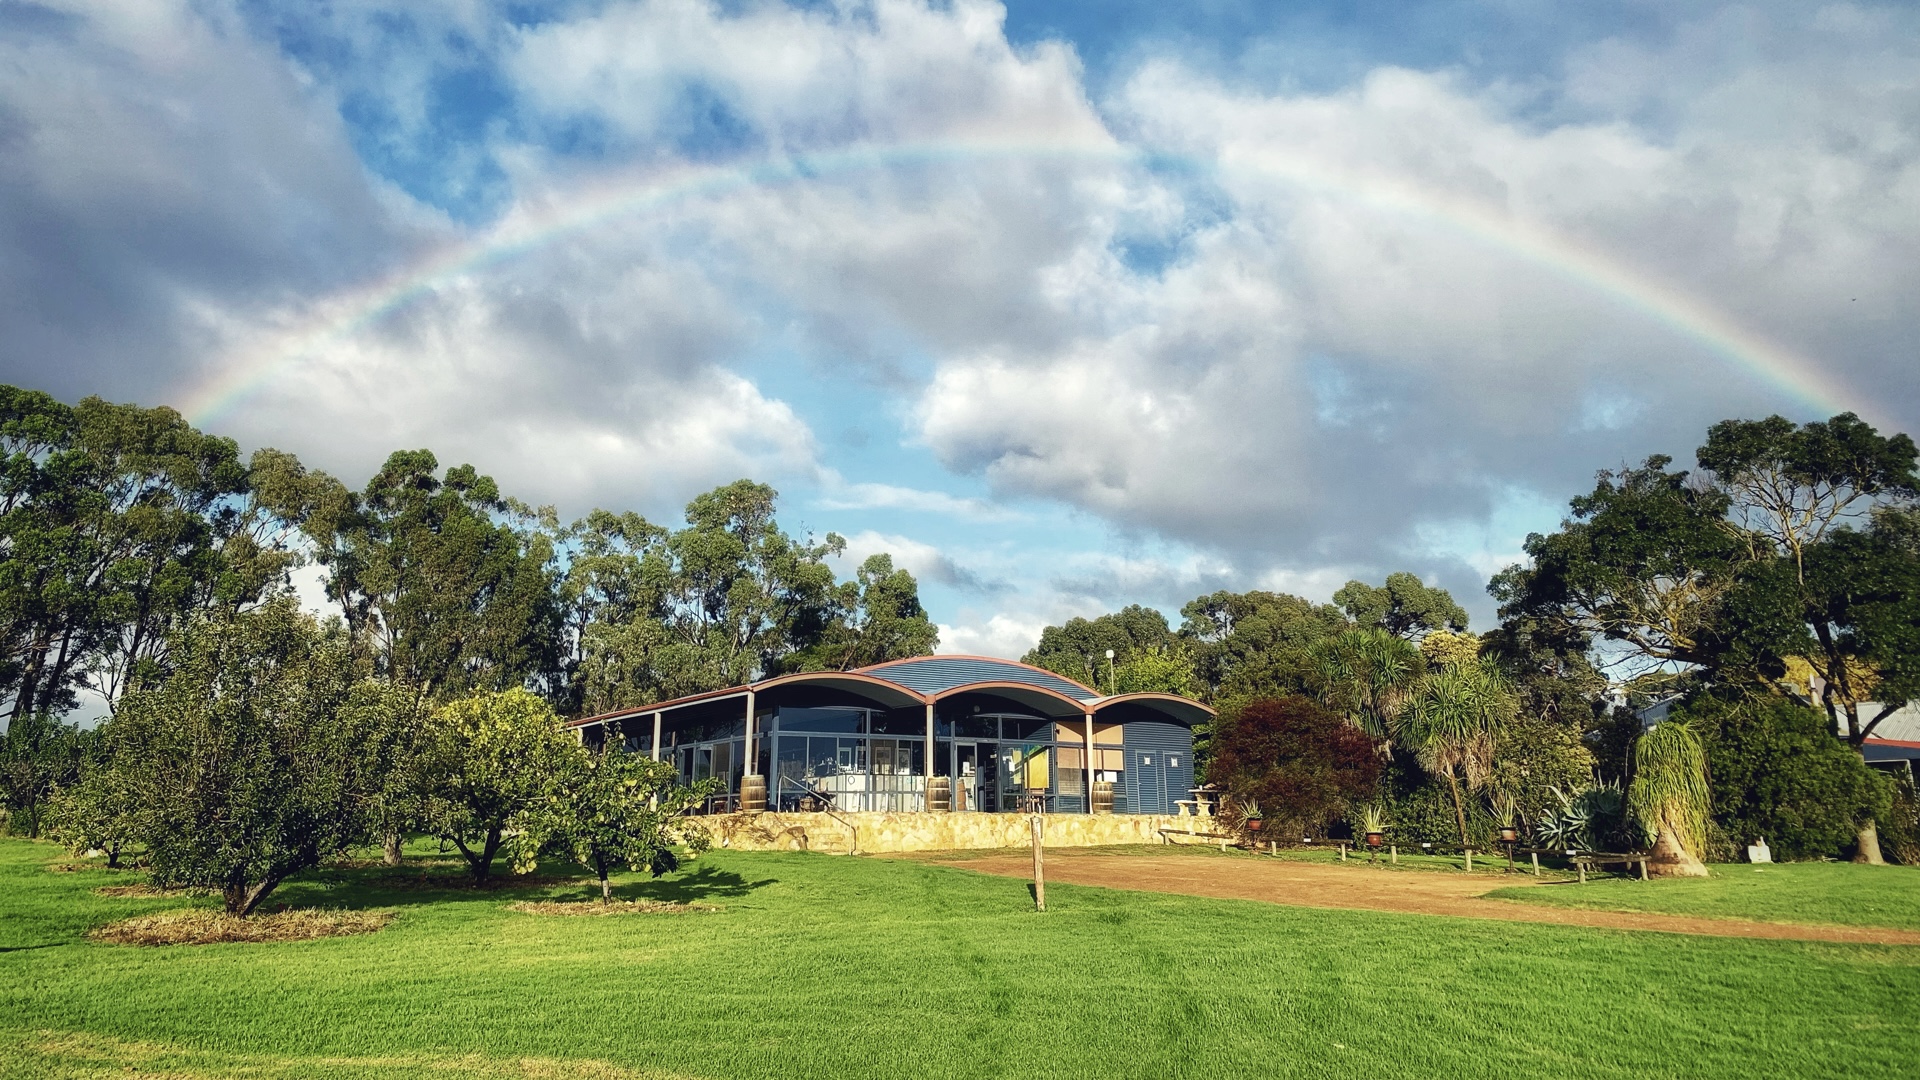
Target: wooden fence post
(1039, 868)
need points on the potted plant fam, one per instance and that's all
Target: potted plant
(1250, 813)
(1508, 814)
(1373, 822)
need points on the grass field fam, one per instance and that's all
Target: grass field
(822, 966)
(1839, 893)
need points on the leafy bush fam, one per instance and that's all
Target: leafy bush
(1900, 829)
(1777, 772)
(1302, 764)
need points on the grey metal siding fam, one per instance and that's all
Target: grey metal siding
(1159, 770)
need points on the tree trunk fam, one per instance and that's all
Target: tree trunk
(390, 850)
(1670, 859)
(1459, 809)
(1869, 850)
(241, 900)
(606, 889)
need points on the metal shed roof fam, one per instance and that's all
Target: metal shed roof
(934, 675)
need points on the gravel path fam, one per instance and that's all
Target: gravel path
(1359, 886)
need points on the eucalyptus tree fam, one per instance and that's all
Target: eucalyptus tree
(107, 539)
(877, 617)
(616, 579)
(1246, 645)
(1452, 722)
(447, 585)
(1404, 606)
(1078, 648)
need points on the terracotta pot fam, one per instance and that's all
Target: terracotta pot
(1253, 824)
(1508, 836)
(1374, 839)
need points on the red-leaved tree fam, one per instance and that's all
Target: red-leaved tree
(1303, 764)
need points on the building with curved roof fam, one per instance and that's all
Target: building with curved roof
(959, 733)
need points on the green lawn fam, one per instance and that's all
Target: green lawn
(1837, 893)
(824, 967)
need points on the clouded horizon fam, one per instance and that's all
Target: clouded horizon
(1066, 305)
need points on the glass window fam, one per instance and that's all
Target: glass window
(901, 722)
(1030, 728)
(979, 727)
(848, 721)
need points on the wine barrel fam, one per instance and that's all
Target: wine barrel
(940, 793)
(753, 794)
(1103, 796)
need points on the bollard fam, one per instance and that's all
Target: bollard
(1469, 860)
(1393, 854)
(1536, 864)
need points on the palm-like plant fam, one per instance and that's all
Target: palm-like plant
(1451, 722)
(1367, 675)
(1670, 798)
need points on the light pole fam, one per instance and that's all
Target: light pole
(1109, 671)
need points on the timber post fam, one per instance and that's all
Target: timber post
(1039, 867)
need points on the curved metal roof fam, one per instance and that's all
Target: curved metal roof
(934, 675)
(926, 679)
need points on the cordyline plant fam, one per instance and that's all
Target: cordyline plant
(1670, 798)
(611, 808)
(1451, 723)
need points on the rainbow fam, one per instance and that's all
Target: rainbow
(338, 317)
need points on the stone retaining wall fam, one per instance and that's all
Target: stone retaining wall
(881, 833)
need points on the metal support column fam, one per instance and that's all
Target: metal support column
(928, 770)
(656, 736)
(1089, 763)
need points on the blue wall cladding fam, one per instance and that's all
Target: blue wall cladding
(1159, 770)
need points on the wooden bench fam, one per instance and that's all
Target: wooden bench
(1582, 860)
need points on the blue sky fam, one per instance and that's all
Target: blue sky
(1067, 305)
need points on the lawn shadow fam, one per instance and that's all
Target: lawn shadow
(704, 883)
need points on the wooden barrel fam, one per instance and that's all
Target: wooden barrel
(940, 793)
(1103, 796)
(753, 793)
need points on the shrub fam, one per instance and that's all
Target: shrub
(1304, 765)
(1777, 772)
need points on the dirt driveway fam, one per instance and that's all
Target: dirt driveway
(1359, 886)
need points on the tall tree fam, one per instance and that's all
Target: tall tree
(447, 585)
(877, 618)
(618, 572)
(1453, 723)
(1252, 644)
(1645, 564)
(107, 532)
(1078, 648)
(1405, 606)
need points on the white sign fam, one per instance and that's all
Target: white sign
(1759, 852)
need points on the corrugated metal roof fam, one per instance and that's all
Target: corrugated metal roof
(936, 674)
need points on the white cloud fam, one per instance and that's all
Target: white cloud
(869, 496)
(1318, 337)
